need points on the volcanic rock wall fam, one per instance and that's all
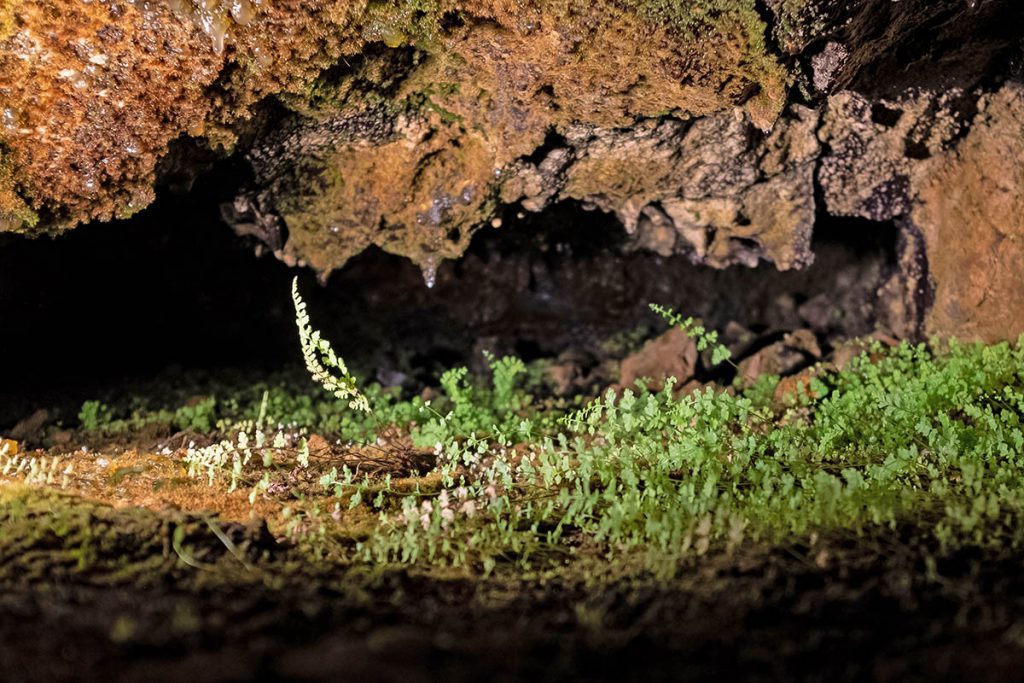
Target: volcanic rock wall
(720, 129)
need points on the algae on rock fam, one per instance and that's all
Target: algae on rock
(715, 128)
(94, 93)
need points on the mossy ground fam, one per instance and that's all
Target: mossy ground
(885, 567)
(123, 604)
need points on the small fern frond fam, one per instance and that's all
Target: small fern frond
(321, 359)
(706, 339)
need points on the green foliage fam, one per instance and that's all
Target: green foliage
(900, 437)
(292, 405)
(506, 373)
(199, 417)
(912, 437)
(706, 339)
(94, 416)
(196, 416)
(474, 408)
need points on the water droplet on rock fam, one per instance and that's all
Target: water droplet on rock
(242, 11)
(430, 272)
(8, 119)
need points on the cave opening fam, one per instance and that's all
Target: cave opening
(172, 293)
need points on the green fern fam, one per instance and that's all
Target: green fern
(706, 339)
(506, 373)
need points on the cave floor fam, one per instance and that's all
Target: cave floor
(121, 560)
(130, 570)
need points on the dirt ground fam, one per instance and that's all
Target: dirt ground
(93, 592)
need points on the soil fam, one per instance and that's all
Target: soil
(126, 575)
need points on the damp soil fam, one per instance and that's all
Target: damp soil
(93, 592)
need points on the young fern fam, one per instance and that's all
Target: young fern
(706, 339)
(321, 359)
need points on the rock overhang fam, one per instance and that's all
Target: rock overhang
(719, 128)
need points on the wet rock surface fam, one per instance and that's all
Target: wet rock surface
(723, 131)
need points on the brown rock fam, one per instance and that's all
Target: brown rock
(782, 357)
(971, 213)
(790, 389)
(319, 447)
(731, 196)
(673, 354)
(30, 427)
(820, 312)
(803, 340)
(561, 376)
(93, 94)
(61, 438)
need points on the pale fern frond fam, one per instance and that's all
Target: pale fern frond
(321, 359)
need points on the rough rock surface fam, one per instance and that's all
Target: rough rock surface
(93, 92)
(673, 354)
(970, 210)
(720, 129)
(715, 189)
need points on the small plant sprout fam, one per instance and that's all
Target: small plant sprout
(706, 339)
(321, 359)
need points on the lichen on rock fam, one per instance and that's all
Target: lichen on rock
(719, 129)
(94, 92)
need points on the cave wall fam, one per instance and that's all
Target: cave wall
(718, 129)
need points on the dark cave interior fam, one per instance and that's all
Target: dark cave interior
(172, 291)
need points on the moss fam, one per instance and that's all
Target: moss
(44, 534)
(15, 214)
(797, 22)
(488, 78)
(367, 82)
(48, 536)
(7, 8)
(405, 22)
(418, 196)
